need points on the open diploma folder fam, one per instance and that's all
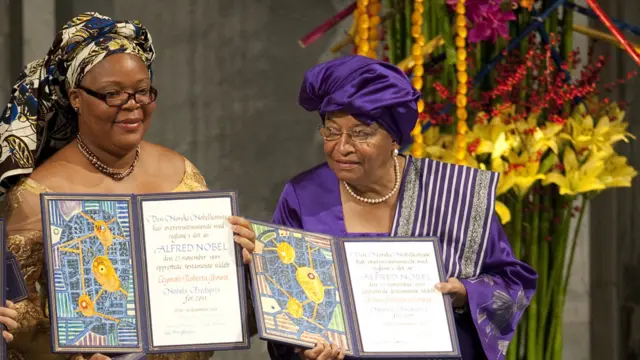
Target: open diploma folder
(144, 273)
(373, 297)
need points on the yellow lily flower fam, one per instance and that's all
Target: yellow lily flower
(536, 138)
(598, 138)
(521, 174)
(617, 127)
(617, 173)
(582, 133)
(503, 212)
(434, 144)
(489, 138)
(450, 157)
(546, 137)
(577, 178)
(505, 183)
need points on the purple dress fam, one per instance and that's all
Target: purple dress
(454, 203)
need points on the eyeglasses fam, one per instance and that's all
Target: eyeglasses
(357, 135)
(119, 98)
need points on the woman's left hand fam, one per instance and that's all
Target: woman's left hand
(244, 236)
(9, 318)
(455, 288)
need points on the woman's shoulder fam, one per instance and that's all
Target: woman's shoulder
(53, 173)
(175, 168)
(172, 161)
(319, 179)
(314, 175)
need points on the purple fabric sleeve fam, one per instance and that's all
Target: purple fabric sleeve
(287, 211)
(499, 296)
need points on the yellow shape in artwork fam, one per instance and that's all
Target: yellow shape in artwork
(85, 305)
(102, 232)
(105, 274)
(311, 284)
(87, 308)
(286, 253)
(294, 308)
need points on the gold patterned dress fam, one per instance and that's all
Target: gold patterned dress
(24, 230)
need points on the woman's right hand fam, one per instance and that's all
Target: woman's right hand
(322, 351)
(8, 317)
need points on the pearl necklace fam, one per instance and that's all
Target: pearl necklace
(384, 198)
(93, 159)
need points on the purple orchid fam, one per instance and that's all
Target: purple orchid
(488, 20)
(492, 23)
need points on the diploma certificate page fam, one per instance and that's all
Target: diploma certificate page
(397, 306)
(191, 272)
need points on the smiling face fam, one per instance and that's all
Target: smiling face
(357, 162)
(113, 128)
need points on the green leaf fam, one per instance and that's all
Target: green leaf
(450, 52)
(548, 162)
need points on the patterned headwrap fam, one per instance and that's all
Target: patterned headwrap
(39, 119)
(367, 89)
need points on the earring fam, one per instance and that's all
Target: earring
(77, 109)
(395, 152)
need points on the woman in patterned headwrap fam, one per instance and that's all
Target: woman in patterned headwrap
(74, 124)
(366, 188)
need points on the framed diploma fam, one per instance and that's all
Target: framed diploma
(373, 297)
(153, 273)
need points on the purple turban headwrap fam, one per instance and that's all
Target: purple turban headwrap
(367, 89)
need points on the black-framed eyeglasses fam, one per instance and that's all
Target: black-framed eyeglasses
(357, 135)
(119, 98)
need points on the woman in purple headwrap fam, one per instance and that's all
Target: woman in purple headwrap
(368, 109)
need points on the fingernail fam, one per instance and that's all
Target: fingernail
(437, 286)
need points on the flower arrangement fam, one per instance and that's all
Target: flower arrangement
(552, 138)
